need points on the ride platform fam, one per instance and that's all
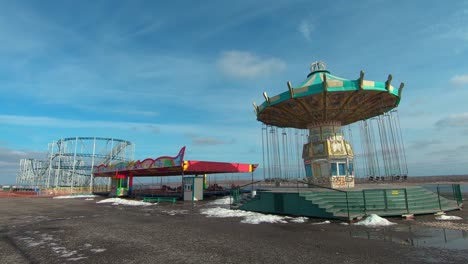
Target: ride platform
(354, 203)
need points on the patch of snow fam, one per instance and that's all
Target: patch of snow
(222, 201)
(47, 237)
(374, 220)
(75, 259)
(321, 223)
(175, 212)
(33, 244)
(448, 217)
(261, 218)
(249, 217)
(58, 249)
(118, 201)
(89, 199)
(299, 220)
(98, 250)
(344, 223)
(45, 241)
(66, 254)
(75, 196)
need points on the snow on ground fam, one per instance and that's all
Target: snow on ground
(98, 250)
(374, 220)
(175, 212)
(448, 217)
(299, 220)
(89, 199)
(57, 246)
(321, 223)
(75, 196)
(117, 201)
(249, 217)
(222, 201)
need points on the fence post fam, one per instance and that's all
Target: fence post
(453, 193)
(438, 196)
(347, 204)
(385, 200)
(365, 204)
(458, 193)
(406, 201)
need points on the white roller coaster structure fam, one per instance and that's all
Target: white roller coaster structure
(70, 161)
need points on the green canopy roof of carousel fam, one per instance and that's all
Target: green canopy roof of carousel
(324, 97)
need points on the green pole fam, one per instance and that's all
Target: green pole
(193, 191)
(347, 204)
(406, 201)
(251, 192)
(365, 203)
(438, 196)
(385, 200)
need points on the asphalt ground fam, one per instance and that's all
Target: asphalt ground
(46, 230)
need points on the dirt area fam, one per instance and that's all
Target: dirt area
(46, 230)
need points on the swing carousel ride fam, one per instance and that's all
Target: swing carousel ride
(315, 119)
(312, 116)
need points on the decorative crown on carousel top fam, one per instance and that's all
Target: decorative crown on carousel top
(317, 66)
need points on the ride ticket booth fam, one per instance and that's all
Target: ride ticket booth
(119, 186)
(193, 188)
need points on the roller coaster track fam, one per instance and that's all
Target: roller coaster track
(75, 163)
(113, 155)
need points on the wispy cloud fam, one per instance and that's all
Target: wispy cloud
(453, 25)
(450, 153)
(207, 140)
(459, 80)
(241, 64)
(9, 162)
(42, 121)
(13, 156)
(424, 143)
(306, 29)
(121, 110)
(456, 120)
(148, 28)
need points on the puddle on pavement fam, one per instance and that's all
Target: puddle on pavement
(418, 236)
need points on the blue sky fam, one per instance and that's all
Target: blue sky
(184, 73)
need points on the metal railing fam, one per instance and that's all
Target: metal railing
(448, 197)
(450, 192)
(332, 189)
(235, 193)
(386, 201)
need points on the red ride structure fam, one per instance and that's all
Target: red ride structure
(123, 172)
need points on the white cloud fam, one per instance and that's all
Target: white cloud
(459, 79)
(306, 29)
(242, 64)
(456, 120)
